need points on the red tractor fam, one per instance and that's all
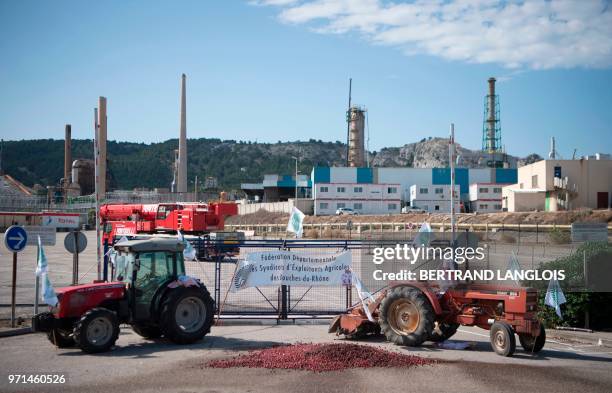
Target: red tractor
(410, 313)
(146, 293)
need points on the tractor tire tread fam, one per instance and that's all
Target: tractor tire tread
(427, 316)
(167, 312)
(80, 336)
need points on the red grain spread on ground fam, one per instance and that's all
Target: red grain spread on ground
(320, 357)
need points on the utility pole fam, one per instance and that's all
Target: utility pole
(451, 159)
(296, 179)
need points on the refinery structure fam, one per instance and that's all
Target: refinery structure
(492, 185)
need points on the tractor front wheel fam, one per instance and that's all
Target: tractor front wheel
(97, 331)
(406, 316)
(533, 344)
(502, 339)
(187, 314)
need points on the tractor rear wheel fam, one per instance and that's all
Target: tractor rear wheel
(60, 338)
(407, 317)
(502, 339)
(97, 331)
(148, 332)
(187, 314)
(443, 331)
(533, 344)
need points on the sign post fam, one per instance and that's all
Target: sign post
(15, 240)
(75, 243)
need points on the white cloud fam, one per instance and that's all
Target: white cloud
(535, 34)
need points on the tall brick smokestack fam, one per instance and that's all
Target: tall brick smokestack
(181, 184)
(67, 156)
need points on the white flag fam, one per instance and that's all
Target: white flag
(296, 222)
(47, 293)
(424, 237)
(41, 265)
(364, 295)
(554, 296)
(514, 267)
(189, 252)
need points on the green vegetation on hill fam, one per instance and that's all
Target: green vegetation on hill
(150, 165)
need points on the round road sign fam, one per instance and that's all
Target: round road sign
(15, 238)
(69, 242)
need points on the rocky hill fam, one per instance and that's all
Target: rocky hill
(430, 153)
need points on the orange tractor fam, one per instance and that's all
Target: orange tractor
(410, 313)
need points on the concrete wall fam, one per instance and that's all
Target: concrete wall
(516, 200)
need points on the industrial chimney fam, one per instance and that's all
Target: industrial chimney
(102, 146)
(491, 130)
(553, 151)
(181, 184)
(356, 149)
(67, 157)
(491, 120)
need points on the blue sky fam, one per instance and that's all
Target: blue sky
(278, 70)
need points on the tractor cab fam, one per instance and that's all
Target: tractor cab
(147, 267)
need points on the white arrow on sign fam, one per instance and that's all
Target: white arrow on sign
(20, 238)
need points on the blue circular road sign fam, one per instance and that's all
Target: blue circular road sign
(15, 238)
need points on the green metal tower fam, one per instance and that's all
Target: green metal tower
(491, 129)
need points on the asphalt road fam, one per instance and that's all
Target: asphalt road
(137, 365)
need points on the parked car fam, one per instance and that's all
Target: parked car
(412, 209)
(346, 210)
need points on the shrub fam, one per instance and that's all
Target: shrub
(578, 302)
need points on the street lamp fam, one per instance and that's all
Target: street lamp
(296, 178)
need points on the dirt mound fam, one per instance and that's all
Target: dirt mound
(320, 358)
(542, 218)
(259, 217)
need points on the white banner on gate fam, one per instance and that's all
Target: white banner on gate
(291, 268)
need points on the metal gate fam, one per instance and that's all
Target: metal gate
(282, 302)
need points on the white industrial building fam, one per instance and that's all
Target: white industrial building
(364, 198)
(434, 198)
(403, 178)
(553, 185)
(486, 197)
